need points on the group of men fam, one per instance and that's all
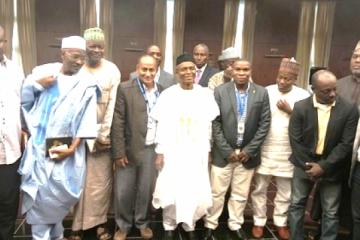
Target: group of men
(161, 133)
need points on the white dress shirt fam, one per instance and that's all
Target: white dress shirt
(11, 78)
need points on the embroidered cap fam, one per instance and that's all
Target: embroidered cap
(94, 34)
(73, 42)
(289, 66)
(230, 53)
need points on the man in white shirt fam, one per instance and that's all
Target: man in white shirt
(11, 78)
(132, 151)
(276, 150)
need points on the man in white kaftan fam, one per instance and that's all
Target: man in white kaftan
(276, 150)
(184, 113)
(58, 100)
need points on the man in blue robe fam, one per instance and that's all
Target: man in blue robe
(58, 102)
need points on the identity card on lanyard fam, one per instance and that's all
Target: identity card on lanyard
(150, 103)
(241, 109)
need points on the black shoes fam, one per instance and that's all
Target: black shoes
(169, 235)
(209, 234)
(239, 234)
(191, 235)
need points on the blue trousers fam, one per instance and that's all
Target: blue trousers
(330, 195)
(47, 231)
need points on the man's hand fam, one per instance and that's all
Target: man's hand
(159, 161)
(314, 170)
(243, 156)
(233, 157)
(284, 106)
(62, 153)
(121, 162)
(46, 82)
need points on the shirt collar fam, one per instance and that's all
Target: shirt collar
(320, 105)
(202, 68)
(154, 89)
(247, 89)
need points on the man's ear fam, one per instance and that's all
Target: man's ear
(63, 52)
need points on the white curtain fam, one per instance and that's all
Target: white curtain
(27, 31)
(323, 32)
(304, 41)
(106, 24)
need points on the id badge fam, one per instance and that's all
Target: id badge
(241, 127)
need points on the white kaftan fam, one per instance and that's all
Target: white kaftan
(183, 135)
(276, 148)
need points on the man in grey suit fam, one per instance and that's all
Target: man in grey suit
(133, 151)
(203, 70)
(162, 78)
(321, 132)
(238, 134)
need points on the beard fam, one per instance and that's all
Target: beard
(356, 73)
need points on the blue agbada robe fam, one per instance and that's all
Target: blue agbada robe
(50, 187)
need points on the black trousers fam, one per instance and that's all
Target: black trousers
(9, 199)
(355, 205)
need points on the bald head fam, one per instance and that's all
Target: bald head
(201, 55)
(146, 69)
(324, 86)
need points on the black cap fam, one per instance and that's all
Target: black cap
(185, 57)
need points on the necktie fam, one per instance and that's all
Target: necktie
(198, 75)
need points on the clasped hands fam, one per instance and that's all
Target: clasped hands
(239, 156)
(313, 170)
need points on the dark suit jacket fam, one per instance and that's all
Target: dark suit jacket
(165, 79)
(257, 124)
(129, 125)
(207, 74)
(303, 134)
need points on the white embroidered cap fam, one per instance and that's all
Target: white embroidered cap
(73, 42)
(230, 53)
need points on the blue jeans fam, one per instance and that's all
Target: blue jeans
(355, 204)
(330, 195)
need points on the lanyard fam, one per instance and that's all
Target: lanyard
(241, 102)
(142, 90)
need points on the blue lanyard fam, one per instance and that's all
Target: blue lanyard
(241, 101)
(142, 90)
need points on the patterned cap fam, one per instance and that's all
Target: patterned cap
(94, 34)
(230, 53)
(289, 66)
